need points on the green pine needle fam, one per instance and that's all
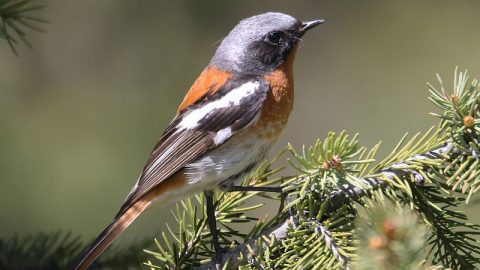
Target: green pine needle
(15, 18)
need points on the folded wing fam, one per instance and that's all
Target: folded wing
(200, 128)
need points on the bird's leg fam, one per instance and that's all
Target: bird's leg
(229, 186)
(212, 224)
(251, 188)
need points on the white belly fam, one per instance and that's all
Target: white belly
(229, 162)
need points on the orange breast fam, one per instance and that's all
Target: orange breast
(279, 103)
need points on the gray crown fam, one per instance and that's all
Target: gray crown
(232, 55)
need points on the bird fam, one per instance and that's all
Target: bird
(225, 125)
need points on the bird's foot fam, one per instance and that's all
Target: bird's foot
(212, 224)
(253, 188)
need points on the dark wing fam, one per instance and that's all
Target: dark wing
(194, 131)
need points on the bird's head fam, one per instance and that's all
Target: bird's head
(259, 44)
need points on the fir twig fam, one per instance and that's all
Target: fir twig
(58, 251)
(15, 18)
(315, 227)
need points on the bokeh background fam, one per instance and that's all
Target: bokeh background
(80, 113)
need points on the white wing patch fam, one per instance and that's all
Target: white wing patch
(232, 98)
(222, 135)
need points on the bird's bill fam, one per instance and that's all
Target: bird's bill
(309, 25)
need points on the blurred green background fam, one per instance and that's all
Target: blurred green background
(80, 113)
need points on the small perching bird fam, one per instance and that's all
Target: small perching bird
(227, 122)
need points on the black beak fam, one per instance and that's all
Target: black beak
(309, 25)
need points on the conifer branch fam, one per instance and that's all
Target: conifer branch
(57, 251)
(337, 199)
(15, 17)
(315, 226)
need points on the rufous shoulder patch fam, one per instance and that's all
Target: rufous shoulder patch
(209, 81)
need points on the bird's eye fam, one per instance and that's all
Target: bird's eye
(274, 38)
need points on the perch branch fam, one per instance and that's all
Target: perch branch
(338, 198)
